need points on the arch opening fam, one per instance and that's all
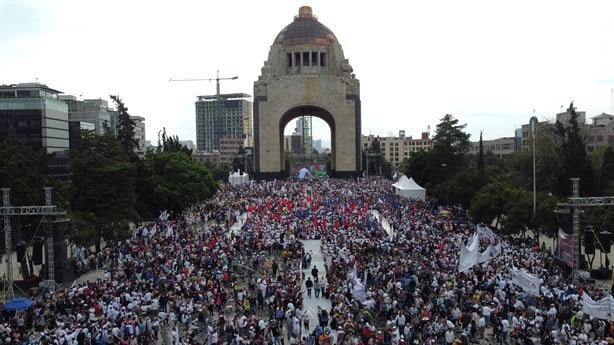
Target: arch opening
(298, 139)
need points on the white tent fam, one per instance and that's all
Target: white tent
(238, 178)
(408, 188)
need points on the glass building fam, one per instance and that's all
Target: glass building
(37, 115)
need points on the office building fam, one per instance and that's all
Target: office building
(38, 116)
(93, 111)
(305, 128)
(293, 142)
(499, 147)
(396, 149)
(600, 132)
(222, 118)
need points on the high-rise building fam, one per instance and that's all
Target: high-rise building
(221, 118)
(305, 128)
(294, 142)
(139, 134)
(38, 116)
(93, 111)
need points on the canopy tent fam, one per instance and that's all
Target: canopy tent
(408, 188)
(236, 178)
(18, 303)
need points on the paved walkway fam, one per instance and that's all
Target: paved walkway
(312, 304)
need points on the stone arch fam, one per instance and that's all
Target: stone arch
(307, 110)
(306, 71)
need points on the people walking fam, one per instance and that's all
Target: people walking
(309, 286)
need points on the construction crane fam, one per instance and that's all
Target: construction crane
(217, 93)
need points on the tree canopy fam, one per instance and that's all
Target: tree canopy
(103, 179)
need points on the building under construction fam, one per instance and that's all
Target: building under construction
(222, 116)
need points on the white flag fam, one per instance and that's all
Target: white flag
(469, 254)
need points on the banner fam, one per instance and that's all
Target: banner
(564, 248)
(359, 291)
(601, 309)
(469, 254)
(484, 256)
(526, 281)
(486, 232)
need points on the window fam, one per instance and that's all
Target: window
(322, 59)
(314, 59)
(289, 56)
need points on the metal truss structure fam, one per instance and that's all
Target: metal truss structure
(45, 211)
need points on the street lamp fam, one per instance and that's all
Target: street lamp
(533, 128)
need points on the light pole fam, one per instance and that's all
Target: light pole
(533, 128)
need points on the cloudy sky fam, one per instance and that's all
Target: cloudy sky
(489, 63)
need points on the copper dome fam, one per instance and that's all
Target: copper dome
(305, 29)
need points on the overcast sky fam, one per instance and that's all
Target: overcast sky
(488, 63)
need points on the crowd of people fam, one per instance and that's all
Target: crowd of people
(233, 270)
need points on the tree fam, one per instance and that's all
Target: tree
(125, 126)
(607, 172)
(571, 150)
(518, 210)
(489, 203)
(171, 143)
(500, 202)
(23, 171)
(416, 166)
(459, 188)
(177, 181)
(372, 157)
(103, 198)
(480, 163)
(450, 144)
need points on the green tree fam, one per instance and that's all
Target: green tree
(450, 145)
(171, 143)
(372, 158)
(518, 210)
(488, 204)
(571, 150)
(177, 181)
(481, 164)
(545, 221)
(416, 167)
(103, 198)
(459, 188)
(607, 172)
(125, 126)
(23, 171)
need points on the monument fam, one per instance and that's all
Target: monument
(306, 74)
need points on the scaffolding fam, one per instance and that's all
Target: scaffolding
(576, 203)
(7, 211)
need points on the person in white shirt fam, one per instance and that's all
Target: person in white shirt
(486, 311)
(449, 336)
(505, 329)
(481, 326)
